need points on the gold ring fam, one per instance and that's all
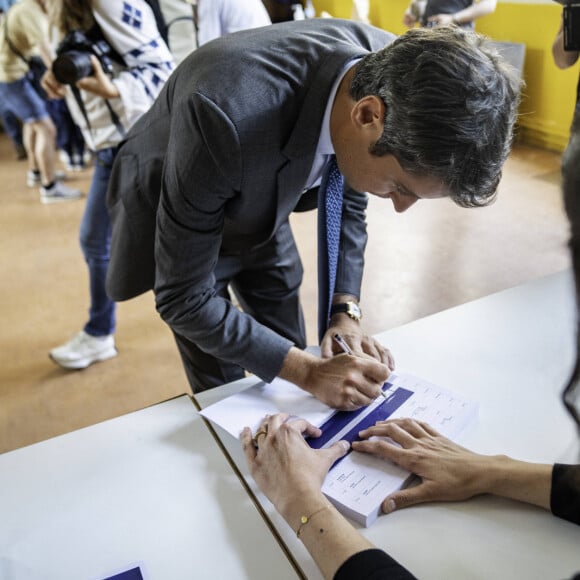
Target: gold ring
(263, 432)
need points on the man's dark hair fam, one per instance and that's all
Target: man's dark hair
(451, 104)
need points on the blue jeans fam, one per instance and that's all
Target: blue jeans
(95, 238)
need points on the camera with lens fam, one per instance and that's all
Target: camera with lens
(571, 24)
(73, 61)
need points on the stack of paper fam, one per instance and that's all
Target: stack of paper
(358, 483)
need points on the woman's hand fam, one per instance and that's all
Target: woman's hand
(448, 471)
(285, 468)
(290, 473)
(99, 83)
(53, 88)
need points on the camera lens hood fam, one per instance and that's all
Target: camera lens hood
(70, 67)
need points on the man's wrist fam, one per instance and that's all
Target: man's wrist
(297, 367)
(350, 308)
(345, 305)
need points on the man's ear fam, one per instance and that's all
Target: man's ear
(368, 115)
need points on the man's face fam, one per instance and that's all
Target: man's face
(355, 127)
(384, 177)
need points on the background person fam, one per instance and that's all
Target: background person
(24, 33)
(191, 23)
(445, 12)
(107, 107)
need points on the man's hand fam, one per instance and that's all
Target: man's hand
(343, 382)
(361, 344)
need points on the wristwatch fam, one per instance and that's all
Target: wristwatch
(350, 308)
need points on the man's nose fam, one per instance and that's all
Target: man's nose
(402, 203)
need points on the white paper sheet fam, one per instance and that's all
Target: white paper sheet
(249, 407)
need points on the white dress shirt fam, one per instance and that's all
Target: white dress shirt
(324, 148)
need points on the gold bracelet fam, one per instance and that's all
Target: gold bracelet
(306, 519)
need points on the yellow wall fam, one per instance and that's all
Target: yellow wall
(550, 93)
(337, 8)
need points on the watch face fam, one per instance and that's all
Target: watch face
(353, 310)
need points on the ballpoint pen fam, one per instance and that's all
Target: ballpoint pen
(347, 350)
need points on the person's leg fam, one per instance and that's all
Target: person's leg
(52, 189)
(28, 137)
(13, 128)
(205, 371)
(95, 240)
(267, 283)
(96, 341)
(45, 149)
(77, 146)
(268, 287)
(40, 140)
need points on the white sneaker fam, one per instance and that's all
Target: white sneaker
(33, 179)
(58, 192)
(83, 350)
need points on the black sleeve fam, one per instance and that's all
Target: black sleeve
(372, 564)
(565, 493)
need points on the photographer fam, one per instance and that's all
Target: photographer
(111, 64)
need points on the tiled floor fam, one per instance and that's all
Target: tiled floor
(433, 257)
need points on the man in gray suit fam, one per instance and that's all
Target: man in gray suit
(238, 139)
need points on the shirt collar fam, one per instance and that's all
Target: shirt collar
(324, 146)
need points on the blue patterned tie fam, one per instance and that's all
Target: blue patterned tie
(329, 220)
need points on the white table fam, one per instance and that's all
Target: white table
(150, 488)
(512, 352)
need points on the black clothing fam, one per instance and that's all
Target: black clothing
(378, 565)
(434, 7)
(372, 565)
(565, 494)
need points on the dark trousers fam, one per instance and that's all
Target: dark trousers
(266, 282)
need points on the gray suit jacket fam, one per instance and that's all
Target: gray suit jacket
(229, 143)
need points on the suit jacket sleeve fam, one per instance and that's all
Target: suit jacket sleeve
(202, 174)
